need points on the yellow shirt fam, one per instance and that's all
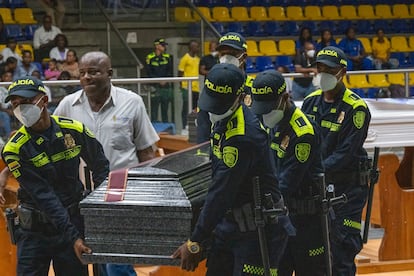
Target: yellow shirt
(189, 65)
(381, 49)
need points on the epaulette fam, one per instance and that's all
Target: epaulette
(314, 93)
(235, 126)
(301, 124)
(17, 141)
(68, 123)
(353, 99)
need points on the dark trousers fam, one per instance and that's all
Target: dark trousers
(304, 253)
(237, 254)
(163, 97)
(184, 112)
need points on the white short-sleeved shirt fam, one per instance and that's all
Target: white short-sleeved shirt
(122, 125)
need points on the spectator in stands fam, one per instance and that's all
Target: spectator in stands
(52, 72)
(71, 65)
(305, 64)
(188, 67)
(305, 35)
(10, 50)
(9, 66)
(3, 33)
(44, 38)
(381, 50)
(354, 50)
(26, 67)
(60, 50)
(55, 9)
(326, 40)
(6, 113)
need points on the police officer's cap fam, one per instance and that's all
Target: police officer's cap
(233, 40)
(266, 90)
(332, 57)
(224, 82)
(160, 41)
(26, 87)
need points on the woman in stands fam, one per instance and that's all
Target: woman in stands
(60, 50)
(71, 65)
(327, 39)
(305, 35)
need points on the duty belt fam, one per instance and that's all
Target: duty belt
(309, 206)
(360, 177)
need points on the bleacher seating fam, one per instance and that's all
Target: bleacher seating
(24, 16)
(221, 14)
(6, 14)
(348, 12)
(264, 63)
(259, 13)
(240, 14)
(268, 47)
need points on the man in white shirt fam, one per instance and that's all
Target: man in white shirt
(10, 50)
(43, 38)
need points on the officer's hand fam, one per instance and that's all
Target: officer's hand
(189, 261)
(80, 248)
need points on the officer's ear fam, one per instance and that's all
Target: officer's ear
(110, 72)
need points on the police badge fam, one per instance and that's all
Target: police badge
(359, 119)
(69, 141)
(230, 156)
(302, 151)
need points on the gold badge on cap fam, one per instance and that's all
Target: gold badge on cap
(69, 141)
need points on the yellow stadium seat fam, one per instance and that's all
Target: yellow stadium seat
(28, 47)
(396, 78)
(383, 11)
(366, 43)
(359, 81)
(411, 43)
(366, 12)
(240, 14)
(252, 48)
(294, 13)
(412, 10)
(287, 47)
(221, 14)
(330, 13)
(258, 13)
(183, 14)
(7, 16)
(2, 46)
(399, 44)
(346, 82)
(277, 13)
(348, 12)
(268, 47)
(24, 16)
(205, 12)
(401, 11)
(411, 81)
(378, 80)
(313, 13)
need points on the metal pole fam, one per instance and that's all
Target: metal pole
(108, 37)
(190, 97)
(202, 36)
(80, 12)
(407, 88)
(167, 11)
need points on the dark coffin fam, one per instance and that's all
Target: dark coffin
(161, 203)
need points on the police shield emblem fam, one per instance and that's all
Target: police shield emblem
(302, 151)
(359, 119)
(230, 156)
(69, 141)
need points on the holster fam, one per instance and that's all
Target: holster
(306, 206)
(11, 224)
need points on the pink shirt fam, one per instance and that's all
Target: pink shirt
(51, 75)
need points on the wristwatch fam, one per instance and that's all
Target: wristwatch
(193, 247)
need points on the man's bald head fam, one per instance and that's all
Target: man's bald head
(96, 57)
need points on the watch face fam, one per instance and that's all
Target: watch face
(194, 248)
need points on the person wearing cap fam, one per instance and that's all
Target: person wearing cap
(159, 65)
(44, 155)
(239, 150)
(343, 118)
(295, 148)
(232, 49)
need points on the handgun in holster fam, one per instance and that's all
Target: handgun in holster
(12, 224)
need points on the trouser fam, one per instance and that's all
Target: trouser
(203, 127)
(5, 124)
(305, 252)
(237, 254)
(184, 112)
(117, 270)
(162, 97)
(55, 12)
(35, 251)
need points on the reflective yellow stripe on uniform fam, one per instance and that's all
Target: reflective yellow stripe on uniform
(257, 270)
(68, 123)
(332, 126)
(316, 251)
(67, 154)
(235, 126)
(17, 141)
(300, 123)
(352, 224)
(353, 99)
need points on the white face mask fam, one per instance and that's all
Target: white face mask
(231, 60)
(273, 117)
(214, 54)
(217, 117)
(311, 53)
(328, 81)
(28, 114)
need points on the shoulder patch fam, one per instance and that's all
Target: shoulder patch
(235, 126)
(300, 123)
(359, 119)
(68, 123)
(230, 156)
(302, 151)
(353, 99)
(17, 141)
(315, 93)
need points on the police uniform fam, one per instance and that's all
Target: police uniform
(295, 147)
(239, 152)
(46, 165)
(344, 126)
(160, 66)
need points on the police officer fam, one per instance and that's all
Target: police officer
(232, 49)
(295, 147)
(239, 152)
(44, 157)
(343, 118)
(159, 65)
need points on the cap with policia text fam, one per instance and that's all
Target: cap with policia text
(224, 82)
(332, 56)
(233, 40)
(160, 41)
(26, 87)
(267, 87)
